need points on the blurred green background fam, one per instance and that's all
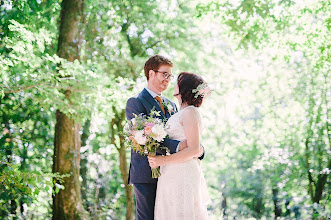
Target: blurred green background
(267, 130)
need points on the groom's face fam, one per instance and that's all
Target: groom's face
(157, 79)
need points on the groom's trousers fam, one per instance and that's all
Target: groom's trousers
(145, 194)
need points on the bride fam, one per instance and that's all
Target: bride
(181, 188)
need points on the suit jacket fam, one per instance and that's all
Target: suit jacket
(140, 171)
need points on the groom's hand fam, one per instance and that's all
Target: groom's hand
(182, 145)
(200, 152)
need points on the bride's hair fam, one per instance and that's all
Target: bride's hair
(187, 83)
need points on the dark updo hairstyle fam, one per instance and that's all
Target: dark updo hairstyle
(186, 83)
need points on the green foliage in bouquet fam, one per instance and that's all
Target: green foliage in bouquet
(145, 135)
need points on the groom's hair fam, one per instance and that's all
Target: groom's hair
(186, 83)
(154, 63)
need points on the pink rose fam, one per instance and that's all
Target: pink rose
(149, 124)
(148, 130)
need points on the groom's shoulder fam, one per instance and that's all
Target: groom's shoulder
(134, 100)
(136, 96)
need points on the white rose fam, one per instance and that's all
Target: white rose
(133, 121)
(170, 108)
(127, 128)
(157, 121)
(140, 138)
(159, 132)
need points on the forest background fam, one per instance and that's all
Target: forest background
(67, 68)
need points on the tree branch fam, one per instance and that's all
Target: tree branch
(45, 85)
(21, 89)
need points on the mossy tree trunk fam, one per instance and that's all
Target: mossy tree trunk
(67, 204)
(116, 127)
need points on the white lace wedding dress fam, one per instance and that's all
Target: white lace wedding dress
(181, 188)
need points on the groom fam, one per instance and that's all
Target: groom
(158, 73)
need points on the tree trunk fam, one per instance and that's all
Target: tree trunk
(24, 167)
(224, 208)
(116, 127)
(67, 204)
(277, 207)
(315, 188)
(321, 181)
(84, 163)
(128, 188)
(287, 206)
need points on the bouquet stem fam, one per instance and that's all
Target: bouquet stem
(156, 172)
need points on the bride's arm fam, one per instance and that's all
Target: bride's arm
(191, 123)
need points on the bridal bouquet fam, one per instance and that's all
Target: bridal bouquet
(145, 134)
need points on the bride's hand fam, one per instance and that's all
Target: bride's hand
(155, 161)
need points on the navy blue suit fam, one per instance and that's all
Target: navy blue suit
(140, 174)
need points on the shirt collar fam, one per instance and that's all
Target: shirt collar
(153, 94)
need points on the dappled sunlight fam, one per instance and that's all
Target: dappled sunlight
(266, 123)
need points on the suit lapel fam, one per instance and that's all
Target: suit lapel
(147, 96)
(165, 107)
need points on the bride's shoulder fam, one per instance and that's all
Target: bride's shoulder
(191, 109)
(191, 113)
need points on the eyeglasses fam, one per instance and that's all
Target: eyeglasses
(166, 75)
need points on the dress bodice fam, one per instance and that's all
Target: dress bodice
(175, 128)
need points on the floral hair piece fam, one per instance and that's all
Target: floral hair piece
(202, 90)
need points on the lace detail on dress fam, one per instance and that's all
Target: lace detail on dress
(181, 191)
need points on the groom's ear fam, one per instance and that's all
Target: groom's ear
(151, 73)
